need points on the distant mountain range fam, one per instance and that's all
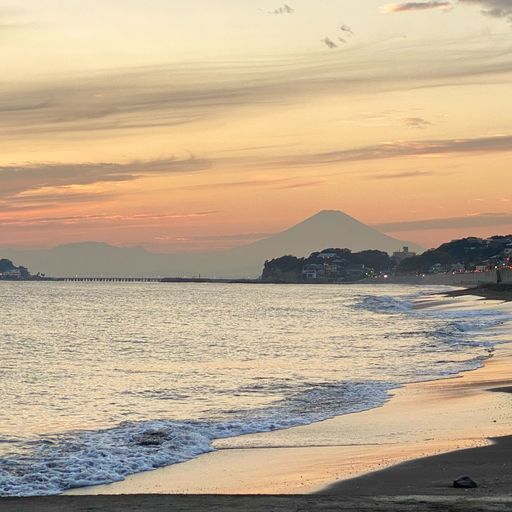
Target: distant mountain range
(327, 229)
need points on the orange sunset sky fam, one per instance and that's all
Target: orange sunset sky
(201, 125)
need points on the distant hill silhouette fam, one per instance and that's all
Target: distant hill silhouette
(323, 230)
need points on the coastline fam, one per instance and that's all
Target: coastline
(421, 420)
(501, 292)
(402, 456)
(437, 472)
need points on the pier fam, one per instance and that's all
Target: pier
(109, 279)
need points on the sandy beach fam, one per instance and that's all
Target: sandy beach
(402, 456)
(421, 420)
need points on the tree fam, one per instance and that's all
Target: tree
(285, 268)
(6, 265)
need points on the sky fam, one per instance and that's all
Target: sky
(201, 125)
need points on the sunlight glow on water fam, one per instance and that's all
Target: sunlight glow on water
(195, 362)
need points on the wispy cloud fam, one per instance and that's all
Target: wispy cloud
(400, 175)
(416, 6)
(96, 220)
(19, 184)
(149, 97)
(268, 182)
(22, 178)
(303, 184)
(398, 149)
(468, 221)
(329, 43)
(50, 200)
(416, 122)
(12, 18)
(494, 8)
(285, 9)
(213, 238)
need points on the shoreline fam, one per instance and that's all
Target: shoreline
(402, 456)
(499, 292)
(437, 472)
(418, 485)
(455, 413)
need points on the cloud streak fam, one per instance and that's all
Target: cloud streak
(18, 179)
(95, 220)
(416, 122)
(416, 6)
(400, 175)
(398, 150)
(12, 18)
(270, 182)
(214, 238)
(50, 200)
(151, 97)
(286, 9)
(493, 8)
(329, 43)
(25, 185)
(468, 221)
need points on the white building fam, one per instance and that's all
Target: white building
(403, 254)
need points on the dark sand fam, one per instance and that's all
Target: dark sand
(163, 503)
(489, 466)
(488, 291)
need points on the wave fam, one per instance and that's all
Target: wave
(53, 464)
(383, 304)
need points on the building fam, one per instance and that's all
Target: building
(327, 255)
(313, 271)
(403, 254)
(15, 273)
(439, 268)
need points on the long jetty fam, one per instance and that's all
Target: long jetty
(109, 279)
(96, 279)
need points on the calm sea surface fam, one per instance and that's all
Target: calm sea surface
(99, 381)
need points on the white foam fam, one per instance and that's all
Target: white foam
(81, 459)
(443, 341)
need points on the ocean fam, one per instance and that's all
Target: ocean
(103, 380)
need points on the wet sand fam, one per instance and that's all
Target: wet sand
(402, 456)
(421, 420)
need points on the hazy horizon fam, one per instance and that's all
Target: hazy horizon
(328, 215)
(200, 127)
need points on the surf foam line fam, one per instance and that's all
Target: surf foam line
(449, 330)
(53, 464)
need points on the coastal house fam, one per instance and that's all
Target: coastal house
(327, 255)
(402, 255)
(313, 271)
(15, 273)
(439, 268)
(355, 272)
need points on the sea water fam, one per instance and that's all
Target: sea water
(102, 380)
